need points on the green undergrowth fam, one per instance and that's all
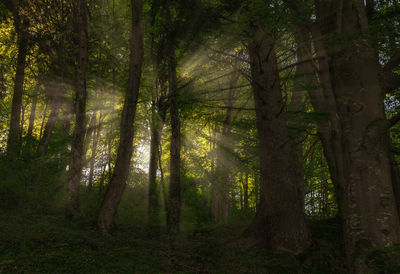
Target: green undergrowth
(38, 243)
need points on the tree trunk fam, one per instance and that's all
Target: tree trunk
(279, 224)
(296, 106)
(54, 94)
(348, 73)
(257, 192)
(96, 136)
(163, 190)
(14, 134)
(174, 194)
(223, 162)
(75, 164)
(2, 85)
(368, 203)
(395, 170)
(23, 109)
(122, 166)
(90, 132)
(246, 193)
(43, 119)
(156, 127)
(32, 115)
(306, 77)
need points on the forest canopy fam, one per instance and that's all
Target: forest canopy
(267, 117)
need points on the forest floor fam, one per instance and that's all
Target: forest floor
(51, 244)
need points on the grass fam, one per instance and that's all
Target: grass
(37, 243)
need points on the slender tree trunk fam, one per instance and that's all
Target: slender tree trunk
(67, 111)
(296, 106)
(90, 132)
(174, 194)
(43, 120)
(54, 94)
(23, 109)
(257, 192)
(96, 136)
(122, 166)
(241, 192)
(75, 164)
(14, 134)
(329, 133)
(279, 224)
(32, 116)
(246, 193)
(163, 189)
(2, 85)
(223, 162)
(109, 147)
(395, 170)
(156, 126)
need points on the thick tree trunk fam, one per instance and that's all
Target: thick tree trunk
(368, 203)
(174, 194)
(121, 170)
(279, 224)
(14, 134)
(75, 164)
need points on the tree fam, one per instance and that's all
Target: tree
(75, 164)
(174, 194)
(358, 141)
(21, 23)
(279, 223)
(221, 186)
(121, 170)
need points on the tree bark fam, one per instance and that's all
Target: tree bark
(246, 193)
(368, 203)
(257, 192)
(54, 94)
(156, 127)
(95, 140)
(75, 164)
(279, 224)
(91, 131)
(395, 172)
(223, 162)
(32, 116)
(311, 77)
(174, 194)
(121, 170)
(348, 73)
(14, 135)
(2, 85)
